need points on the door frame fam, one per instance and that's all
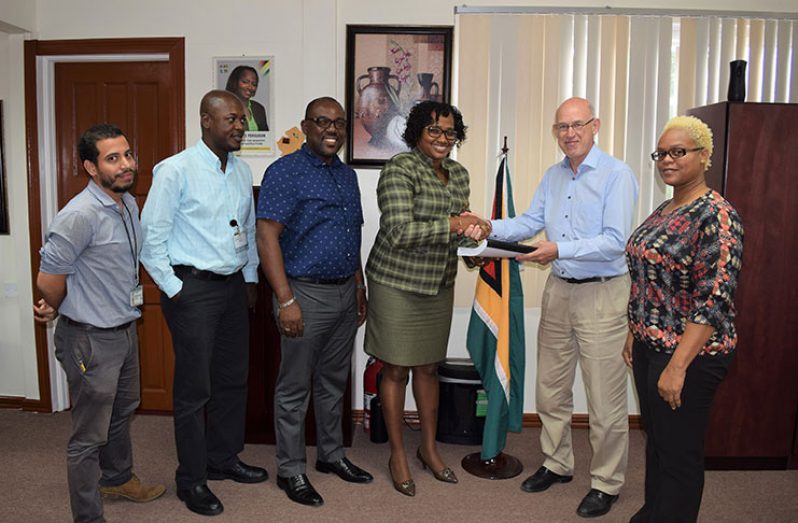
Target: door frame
(40, 54)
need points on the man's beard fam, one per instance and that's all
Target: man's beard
(109, 183)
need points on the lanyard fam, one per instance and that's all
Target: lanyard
(134, 245)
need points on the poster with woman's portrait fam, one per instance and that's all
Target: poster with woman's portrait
(250, 79)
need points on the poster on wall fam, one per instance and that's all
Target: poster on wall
(388, 70)
(250, 78)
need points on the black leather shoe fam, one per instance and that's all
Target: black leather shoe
(543, 479)
(240, 472)
(300, 490)
(346, 470)
(595, 503)
(201, 500)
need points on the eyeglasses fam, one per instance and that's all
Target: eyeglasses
(675, 153)
(324, 123)
(562, 128)
(435, 132)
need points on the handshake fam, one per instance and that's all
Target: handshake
(470, 225)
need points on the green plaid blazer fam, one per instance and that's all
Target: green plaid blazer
(414, 250)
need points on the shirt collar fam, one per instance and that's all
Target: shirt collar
(211, 157)
(317, 161)
(591, 161)
(426, 159)
(103, 197)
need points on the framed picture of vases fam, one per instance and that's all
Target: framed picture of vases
(388, 70)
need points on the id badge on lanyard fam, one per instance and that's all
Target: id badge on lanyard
(239, 237)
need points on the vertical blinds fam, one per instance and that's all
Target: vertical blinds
(513, 70)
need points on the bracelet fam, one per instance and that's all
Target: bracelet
(281, 306)
(361, 286)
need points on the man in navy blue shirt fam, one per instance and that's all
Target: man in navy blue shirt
(308, 235)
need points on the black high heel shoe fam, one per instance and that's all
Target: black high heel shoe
(407, 487)
(446, 475)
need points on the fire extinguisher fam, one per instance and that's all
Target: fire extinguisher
(373, 367)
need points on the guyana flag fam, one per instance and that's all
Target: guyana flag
(496, 333)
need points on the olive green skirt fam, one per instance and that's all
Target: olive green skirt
(406, 328)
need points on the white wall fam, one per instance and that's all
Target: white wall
(307, 38)
(18, 376)
(17, 15)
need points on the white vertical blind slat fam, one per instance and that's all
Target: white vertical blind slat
(783, 47)
(593, 65)
(580, 56)
(702, 61)
(793, 90)
(769, 62)
(713, 63)
(566, 32)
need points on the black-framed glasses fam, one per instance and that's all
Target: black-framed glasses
(674, 152)
(323, 123)
(562, 128)
(435, 132)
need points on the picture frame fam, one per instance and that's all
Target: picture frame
(388, 70)
(5, 227)
(227, 71)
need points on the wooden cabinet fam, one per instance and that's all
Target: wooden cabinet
(754, 419)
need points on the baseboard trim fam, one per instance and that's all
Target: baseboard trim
(530, 420)
(19, 402)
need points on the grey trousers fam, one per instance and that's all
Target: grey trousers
(318, 361)
(102, 369)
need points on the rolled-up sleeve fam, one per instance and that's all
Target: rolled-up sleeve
(69, 234)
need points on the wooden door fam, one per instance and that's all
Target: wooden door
(134, 96)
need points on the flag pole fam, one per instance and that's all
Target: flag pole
(502, 465)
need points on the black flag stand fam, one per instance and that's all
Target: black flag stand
(500, 466)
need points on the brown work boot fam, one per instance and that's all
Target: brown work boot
(134, 490)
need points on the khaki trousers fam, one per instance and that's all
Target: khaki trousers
(584, 322)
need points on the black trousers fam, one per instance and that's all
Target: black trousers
(675, 438)
(210, 336)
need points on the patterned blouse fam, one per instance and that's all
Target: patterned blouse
(684, 267)
(414, 250)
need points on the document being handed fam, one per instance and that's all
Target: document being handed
(495, 249)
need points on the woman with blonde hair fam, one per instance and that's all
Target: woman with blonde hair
(684, 261)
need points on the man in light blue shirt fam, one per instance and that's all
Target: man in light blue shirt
(585, 204)
(199, 248)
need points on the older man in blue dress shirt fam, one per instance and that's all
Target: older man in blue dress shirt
(199, 248)
(585, 203)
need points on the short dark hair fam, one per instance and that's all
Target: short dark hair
(421, 115)
(235, 76)
(87, 146)
(319, 100)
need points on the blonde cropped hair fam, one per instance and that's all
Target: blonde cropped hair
(696, 129)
